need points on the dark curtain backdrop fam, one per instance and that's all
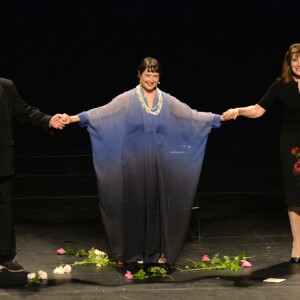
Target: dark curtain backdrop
(72, 55)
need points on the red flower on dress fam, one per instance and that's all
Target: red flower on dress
(296, 168)
(295, 151)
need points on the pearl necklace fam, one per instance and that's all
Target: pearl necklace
(156, 109)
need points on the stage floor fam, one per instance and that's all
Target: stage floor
(263, 234)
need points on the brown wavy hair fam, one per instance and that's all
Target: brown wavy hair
(150, 64)
(286, 71)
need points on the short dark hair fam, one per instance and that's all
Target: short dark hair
(150, 64)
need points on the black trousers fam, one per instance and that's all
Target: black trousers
(7, 228)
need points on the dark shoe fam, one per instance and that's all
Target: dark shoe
(295, 260)
(11, 266)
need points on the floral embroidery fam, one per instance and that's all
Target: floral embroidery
(296, 168)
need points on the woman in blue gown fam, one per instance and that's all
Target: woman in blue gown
(148, 149)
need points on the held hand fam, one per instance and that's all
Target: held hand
(56, 122)
(230, 114)
(66, 119)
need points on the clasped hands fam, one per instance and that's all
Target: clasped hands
(59, 121)
(229, 114)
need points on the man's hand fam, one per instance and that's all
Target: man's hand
(57, 122)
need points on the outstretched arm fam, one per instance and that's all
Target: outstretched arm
(252, 111)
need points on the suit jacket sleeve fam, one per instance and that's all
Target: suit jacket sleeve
(12, 106)
(25, 113)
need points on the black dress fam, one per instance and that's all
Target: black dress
(288, 96)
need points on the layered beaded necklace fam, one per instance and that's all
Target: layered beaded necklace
(157, 108)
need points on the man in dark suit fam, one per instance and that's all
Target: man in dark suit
(13, 107)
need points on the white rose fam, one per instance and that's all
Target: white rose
(99, 253)
(67, 269)
(58, 270)
(31, 276)
(43, 275)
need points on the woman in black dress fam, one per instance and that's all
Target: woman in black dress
(286, 91)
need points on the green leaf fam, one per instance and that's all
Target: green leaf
(141, 274)
(200, 264)
(71, 251)
(216, 259)
(157, 270)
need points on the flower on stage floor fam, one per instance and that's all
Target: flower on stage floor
(43, 275)
(232, 263)
(71, 251)
(245, 263)
(150, 272)
(60, 251)
(128, 275)
(93, 257)
(99, 253)
(36, 278)
(205, 258)
(99, 259)
(62, 269)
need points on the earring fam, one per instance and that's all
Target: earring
(158, 82)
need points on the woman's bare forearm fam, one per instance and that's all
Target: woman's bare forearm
(252, 111)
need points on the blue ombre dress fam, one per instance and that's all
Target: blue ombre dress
(147, 168)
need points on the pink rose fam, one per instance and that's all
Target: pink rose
(60, 251)
(205, 258)
(120, 263)
(245, 264)
(128, 275)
